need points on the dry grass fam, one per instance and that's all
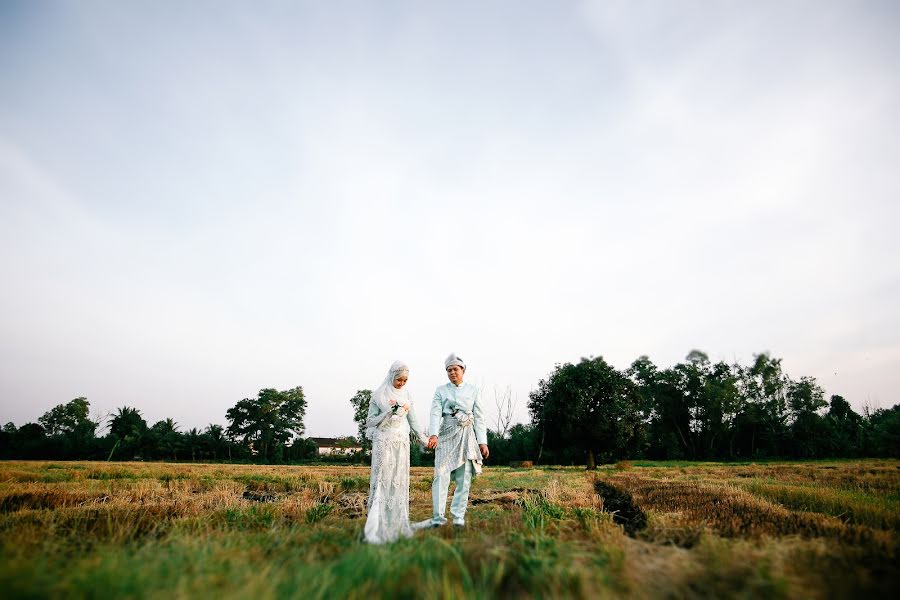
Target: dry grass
(845, 501)
(140, 530)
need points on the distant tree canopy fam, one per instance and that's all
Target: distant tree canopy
(265, 428)
(589, 408)
(694, 410)
(129, 431)
(580, 413)
(69, 419)
(360, 402)
(268, 421)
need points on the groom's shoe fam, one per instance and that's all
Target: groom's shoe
(459, 526)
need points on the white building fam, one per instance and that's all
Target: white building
(331, 446)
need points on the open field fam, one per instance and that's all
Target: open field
(102, 530)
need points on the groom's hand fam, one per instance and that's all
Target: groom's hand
(484, 450)
(432, 442)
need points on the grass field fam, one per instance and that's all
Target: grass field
(651, 530)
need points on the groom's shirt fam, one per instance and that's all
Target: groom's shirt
(464, 397)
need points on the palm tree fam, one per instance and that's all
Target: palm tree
(129, 429)
(193, 439)
(215, 436)
(167, 436)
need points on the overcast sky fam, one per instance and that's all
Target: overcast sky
(202, 199)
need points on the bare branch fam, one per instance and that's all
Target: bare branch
(505, 409)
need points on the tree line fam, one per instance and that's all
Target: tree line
(696, 410)
(267, 428)
(581, 413)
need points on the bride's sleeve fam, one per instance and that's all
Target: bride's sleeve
(414, 424)
(374, 418)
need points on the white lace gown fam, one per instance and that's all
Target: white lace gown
(388, 504)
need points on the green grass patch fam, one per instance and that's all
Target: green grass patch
(856, 507)
(538, 513)
(317, 513)
(55, 477)
(110, 474)
(273, 483)
(250, 518)
(354, 484)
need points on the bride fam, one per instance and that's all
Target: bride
(390, 419)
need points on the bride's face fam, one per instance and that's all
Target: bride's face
(400, 382)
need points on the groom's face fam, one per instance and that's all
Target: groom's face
(455, 374)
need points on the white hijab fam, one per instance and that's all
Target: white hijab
(387, 392)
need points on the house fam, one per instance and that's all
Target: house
(332, 446)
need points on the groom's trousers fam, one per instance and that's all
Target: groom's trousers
(462, 475)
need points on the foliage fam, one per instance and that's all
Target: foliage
(360, 402)
(268, 421)
(521, 442)
(590, 407)
(885, 436)
(165, 438)
(129, 430)
(70, 419)
(693, 410)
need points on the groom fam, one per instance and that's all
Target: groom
(460, 436)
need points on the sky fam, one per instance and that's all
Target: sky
(202, 199)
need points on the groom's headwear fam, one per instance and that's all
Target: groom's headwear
(453, 359)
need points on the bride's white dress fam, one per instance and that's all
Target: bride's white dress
(388, 517)
(388, 428)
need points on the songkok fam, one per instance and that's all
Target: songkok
(453, 359)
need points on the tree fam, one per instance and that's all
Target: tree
(129, 429)
(519, 443)
(302, 448)
(846, 428)
(764, 419)
(269, 420)
(722, 403)
(885, 432)
(699, 401)
(70, 419)
(804, 396)
(591, 408)
(215, 439)
(345, 442)
(165, 438)
(193, 439)
(360, 403)
(31, 441)
(666, 408)
(7, 436)
(810, 435)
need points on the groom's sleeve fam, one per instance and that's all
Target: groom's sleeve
(434, 423)
(480, 428)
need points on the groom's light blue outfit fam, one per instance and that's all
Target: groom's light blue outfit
(451, 401)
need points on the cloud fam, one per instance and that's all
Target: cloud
(280, 195)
